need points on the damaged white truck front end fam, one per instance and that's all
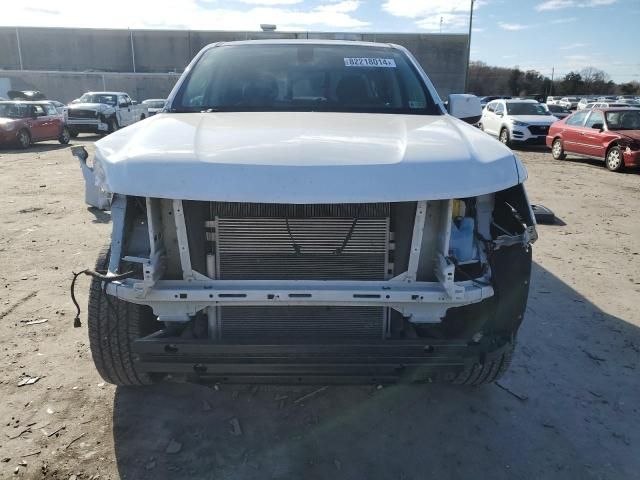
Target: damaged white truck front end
(306, 242)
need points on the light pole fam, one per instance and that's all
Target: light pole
(466, 77)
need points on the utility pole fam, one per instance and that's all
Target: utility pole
(19, 49)
(466, 76)
(553, 69)
(133, 51)
(440, 25)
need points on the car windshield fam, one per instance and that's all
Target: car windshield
(526, 108)
(14, 110)
(154, 103)
(304, 77)
(558, 109)
(98, 98)
(623, 120)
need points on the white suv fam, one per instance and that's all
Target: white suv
(512, 121)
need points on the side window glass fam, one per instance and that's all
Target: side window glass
(51, 110)
(38, 111)
(577, 119)
(491, 107)
(499, 108)
(596, 120)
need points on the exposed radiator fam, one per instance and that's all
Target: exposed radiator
(300, 242)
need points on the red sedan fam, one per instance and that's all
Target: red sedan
(611, 134)
(23, 123)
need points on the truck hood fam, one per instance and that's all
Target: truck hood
(308, 157)
(90, 106)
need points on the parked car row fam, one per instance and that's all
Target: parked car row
(30, 117)
(609, 131)
(580, 102)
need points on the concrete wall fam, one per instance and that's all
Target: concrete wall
(66, 86)
(443, 57)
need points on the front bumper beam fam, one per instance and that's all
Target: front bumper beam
(387, 361)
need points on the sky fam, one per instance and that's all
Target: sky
(563, 35)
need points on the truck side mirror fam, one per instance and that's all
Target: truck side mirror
(465, 107)
(598, 126)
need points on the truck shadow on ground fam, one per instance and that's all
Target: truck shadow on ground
(564, 412)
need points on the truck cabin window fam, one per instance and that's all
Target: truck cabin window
(98, 98)
(291, 77)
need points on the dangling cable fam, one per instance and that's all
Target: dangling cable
(100, 276)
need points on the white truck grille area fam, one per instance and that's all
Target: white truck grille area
(341, 243)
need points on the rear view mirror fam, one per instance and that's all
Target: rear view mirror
(465, 107)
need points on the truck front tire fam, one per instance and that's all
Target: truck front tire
(113, 327)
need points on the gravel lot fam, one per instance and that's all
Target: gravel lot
(568, 407)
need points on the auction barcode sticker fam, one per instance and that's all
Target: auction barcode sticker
(370, 62)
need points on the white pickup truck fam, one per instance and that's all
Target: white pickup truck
(309, 211)
(103, 112)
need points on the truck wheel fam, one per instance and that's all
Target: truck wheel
(113, 326)
(64, 136)
(142, 117)
(557, 150)
(112, 125)
(24, 138)
(488, 372)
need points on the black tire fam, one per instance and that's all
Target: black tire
(112, 330)
(142, 117)
(23, 138)
(112, 124)
(614, 159)
(488, 372)
(73, 133)
(65, 136)
(557, 150)
(504, 137)
(480, 126)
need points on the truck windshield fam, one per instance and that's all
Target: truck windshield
(311, 77)
(526, 108)
(98, 98)
(623, 120)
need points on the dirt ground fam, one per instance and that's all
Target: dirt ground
(568, 407)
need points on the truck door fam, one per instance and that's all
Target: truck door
(124, 110)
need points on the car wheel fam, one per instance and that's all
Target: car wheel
(142, 117)
(113, 125)
(481, 127)
(24, 139)
(614, 160)
(557, 151)
(64, 136)
(504, 137)
(73, 133)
